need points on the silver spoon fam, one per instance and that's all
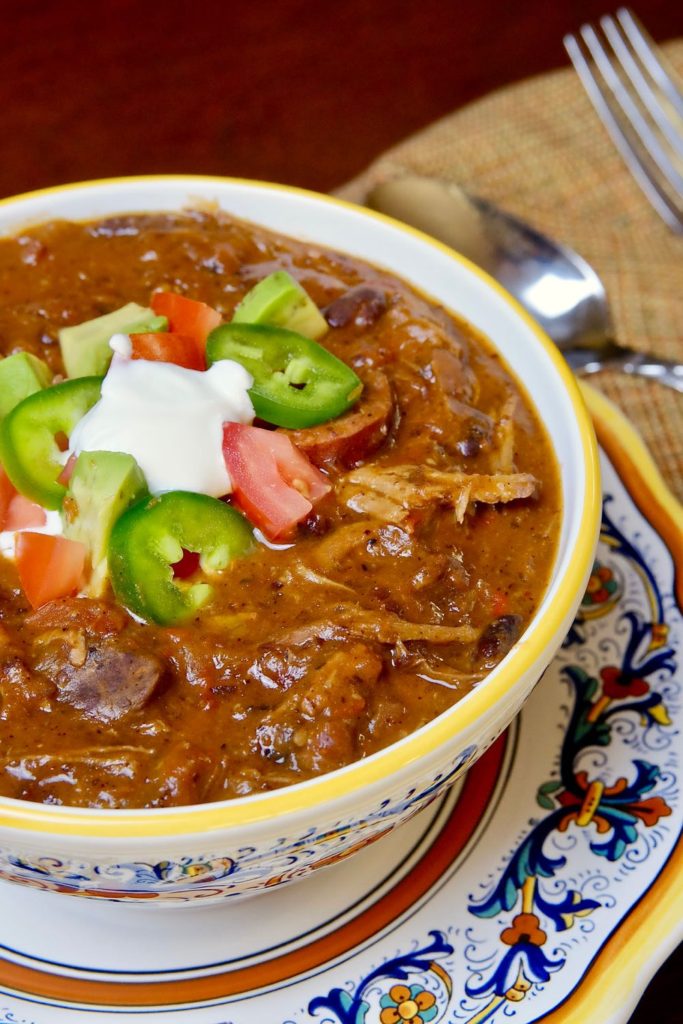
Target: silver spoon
(553, 283)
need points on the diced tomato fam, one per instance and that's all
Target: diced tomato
(168, 348)
(273, 482)
(500, 603)
(67, 472)
(23, 513)
(7, 492)
(49, 567)
(16, 511)
(192, 319)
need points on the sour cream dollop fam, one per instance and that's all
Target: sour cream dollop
(169, 419)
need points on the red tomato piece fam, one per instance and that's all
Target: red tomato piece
(168, 348)
(7, 492)
(49, 567)
(188, 317)
(273, 482)
(23, 513)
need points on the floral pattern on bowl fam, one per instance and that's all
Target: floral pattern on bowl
(221, 875)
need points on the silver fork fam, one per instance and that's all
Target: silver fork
(640, 104)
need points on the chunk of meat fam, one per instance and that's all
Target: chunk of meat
(452, 376)
(91, 776)
(456, 423)
(313, 728)
(95, 617)
(335, 688)
(379, 547)
(362, 306)
(20, 688)
(110, 683)
(182, 776)
(341, 543)
(441, 672)
(357, 434)
(391, 493)
(503, 455)
(328, 744)
(375, 624)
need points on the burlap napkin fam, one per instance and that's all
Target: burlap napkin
(539, 150)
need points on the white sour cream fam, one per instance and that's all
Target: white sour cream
(169, 419)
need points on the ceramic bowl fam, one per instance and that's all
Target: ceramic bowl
(229, 849)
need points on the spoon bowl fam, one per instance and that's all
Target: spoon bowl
(551, 281)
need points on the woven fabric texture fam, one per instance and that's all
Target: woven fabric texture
(538, 150)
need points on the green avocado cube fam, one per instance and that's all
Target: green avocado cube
(102, 486)
(21, 375)
(280, 301)
(85, 347)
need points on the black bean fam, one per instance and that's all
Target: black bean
(477, 438)
(361, 305)
(469, 446)
(498, 638)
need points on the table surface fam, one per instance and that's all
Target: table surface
(281, 90)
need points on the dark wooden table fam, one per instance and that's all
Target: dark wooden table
(289, 90)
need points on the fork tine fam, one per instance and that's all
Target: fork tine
(646, 173)
(641, 84)
(645, 47)
(640, 125)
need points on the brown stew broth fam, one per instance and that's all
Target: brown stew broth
(312, 657)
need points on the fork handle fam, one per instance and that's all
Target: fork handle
(630, 361)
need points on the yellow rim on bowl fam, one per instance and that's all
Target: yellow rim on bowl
(326, 789)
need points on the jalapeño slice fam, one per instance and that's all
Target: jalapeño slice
(297, 382)
(151, 537)
(28, 447)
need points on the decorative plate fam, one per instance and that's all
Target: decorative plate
(546, 886)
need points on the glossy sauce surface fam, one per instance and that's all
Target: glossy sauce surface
(404, 587)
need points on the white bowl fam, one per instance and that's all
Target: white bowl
(232, 848)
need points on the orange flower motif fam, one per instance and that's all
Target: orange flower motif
(651, 810)
(407, 1005)
(525, 928)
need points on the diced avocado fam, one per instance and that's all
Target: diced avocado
(280, 301)
(21, 375)
(85, 347)
(102, 486)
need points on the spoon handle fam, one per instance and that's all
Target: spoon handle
(628, 360)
